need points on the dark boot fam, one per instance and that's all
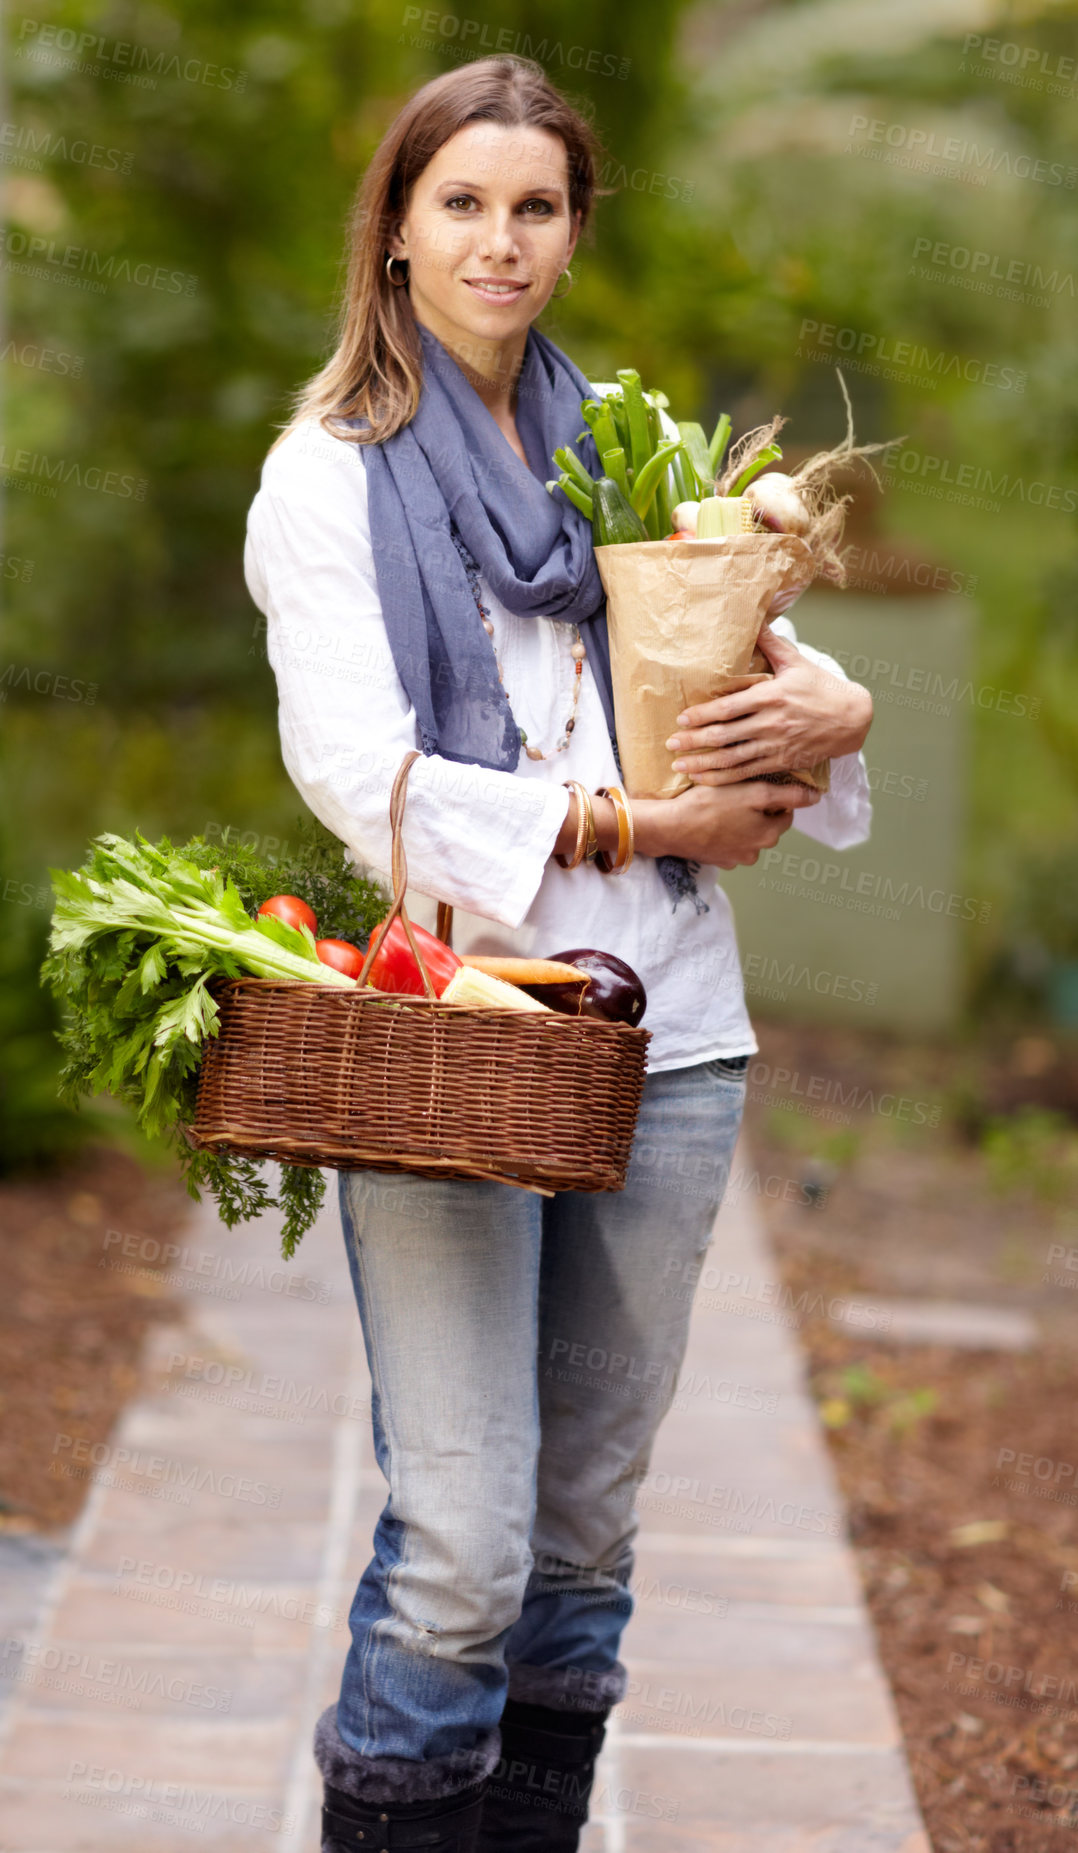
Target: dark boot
(538, 1797)
(392, 1805)
(447, 1826)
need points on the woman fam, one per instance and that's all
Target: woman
(422, 589)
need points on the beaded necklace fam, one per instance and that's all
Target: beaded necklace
(577, 652)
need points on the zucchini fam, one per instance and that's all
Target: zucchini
(614, 520)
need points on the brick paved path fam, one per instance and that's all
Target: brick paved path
(196, 1627)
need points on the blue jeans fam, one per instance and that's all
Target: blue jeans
(522, 1356)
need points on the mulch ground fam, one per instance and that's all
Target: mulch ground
(71, 1319)
(969, 1555)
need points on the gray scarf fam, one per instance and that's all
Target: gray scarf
(448, 499)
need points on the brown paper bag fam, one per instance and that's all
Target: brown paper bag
(683, 618)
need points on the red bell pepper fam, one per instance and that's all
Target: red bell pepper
(395, 968)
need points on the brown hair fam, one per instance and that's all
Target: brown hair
(376, 372)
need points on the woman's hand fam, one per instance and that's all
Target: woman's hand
(725, 828)
(799, 715)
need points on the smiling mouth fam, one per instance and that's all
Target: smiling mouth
(495, 289)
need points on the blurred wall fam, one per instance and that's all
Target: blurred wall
(877, 935)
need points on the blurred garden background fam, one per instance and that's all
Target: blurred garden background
(178, 182)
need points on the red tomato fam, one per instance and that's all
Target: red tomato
(290, 909)
(341, 955)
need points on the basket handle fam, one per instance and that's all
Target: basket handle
(400, 882)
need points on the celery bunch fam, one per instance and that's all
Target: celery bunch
(138, 933)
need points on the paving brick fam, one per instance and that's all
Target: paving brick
(864, 1791)
(230, 1547)
(747, 1570)
(755, 1699)
(214, 1754)
(944, 1322)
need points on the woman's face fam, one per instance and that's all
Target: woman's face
(487, 233)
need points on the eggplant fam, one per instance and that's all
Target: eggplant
(614, 992)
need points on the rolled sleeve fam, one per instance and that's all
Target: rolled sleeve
(843, 817)
(477, 838)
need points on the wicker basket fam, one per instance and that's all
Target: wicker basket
(317, 1075)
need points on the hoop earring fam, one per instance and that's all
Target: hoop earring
(558, 294)
(397, 282)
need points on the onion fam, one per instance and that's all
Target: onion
(777, 502)
(685, 515)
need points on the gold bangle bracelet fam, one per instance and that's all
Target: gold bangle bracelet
(583, 814)
(626, 849)
(592, 850)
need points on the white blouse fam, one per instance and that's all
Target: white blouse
(480, 839)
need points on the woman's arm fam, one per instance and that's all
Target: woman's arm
(477, 838)
(801, 714)
(809, 710)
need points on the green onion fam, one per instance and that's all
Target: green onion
(618, 413)
(650, 477)
(572, 467)
(720, 437)
(696, 451)
(614, 465)
(636, 412)
(577, 496)
(770, 454)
